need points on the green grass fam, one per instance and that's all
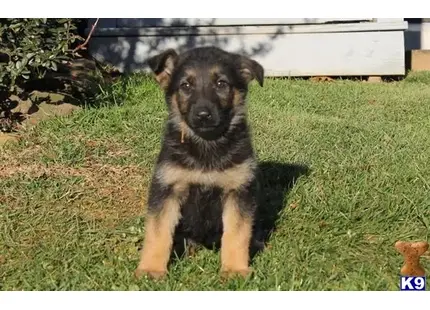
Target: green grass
(72, 192)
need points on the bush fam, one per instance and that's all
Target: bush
(31, 47)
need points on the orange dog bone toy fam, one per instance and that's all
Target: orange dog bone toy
(411, 252)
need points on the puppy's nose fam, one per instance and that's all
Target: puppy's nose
(204, 115)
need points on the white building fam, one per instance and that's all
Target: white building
(285, 47)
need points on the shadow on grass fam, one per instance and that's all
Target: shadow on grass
(275, 181)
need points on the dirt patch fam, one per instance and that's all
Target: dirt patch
(11, 156)
(106, 192)
(114, 192)
(8, 138)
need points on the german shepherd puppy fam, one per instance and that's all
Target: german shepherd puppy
(204, 184)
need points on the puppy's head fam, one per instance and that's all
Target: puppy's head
(205, 87)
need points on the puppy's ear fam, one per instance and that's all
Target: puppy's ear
(162, 66)
(250, 69)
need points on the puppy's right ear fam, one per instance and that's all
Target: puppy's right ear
(162, 66)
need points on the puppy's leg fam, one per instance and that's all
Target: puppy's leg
(237, 218)
(163, 215)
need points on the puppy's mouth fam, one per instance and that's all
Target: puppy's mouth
(207, 128)
(211, 132)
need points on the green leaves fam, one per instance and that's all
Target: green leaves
(32, 47)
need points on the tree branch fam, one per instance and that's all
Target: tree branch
(82, 46)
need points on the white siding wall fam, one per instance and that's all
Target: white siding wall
(288, 47)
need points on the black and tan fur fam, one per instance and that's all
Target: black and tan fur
(204, 184)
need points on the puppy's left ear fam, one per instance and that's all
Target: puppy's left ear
(162, 66)
(250, 69)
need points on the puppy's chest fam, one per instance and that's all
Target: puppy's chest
(227, 179)
(201, 213)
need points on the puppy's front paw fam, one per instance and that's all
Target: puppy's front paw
(228, 273)
(153, 274)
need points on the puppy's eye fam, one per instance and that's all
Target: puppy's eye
(221, 84)
(185, 86)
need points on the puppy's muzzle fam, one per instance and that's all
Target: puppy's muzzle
(205, 116)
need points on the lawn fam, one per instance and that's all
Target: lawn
(73, 191)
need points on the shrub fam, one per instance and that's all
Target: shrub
(31, 47)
